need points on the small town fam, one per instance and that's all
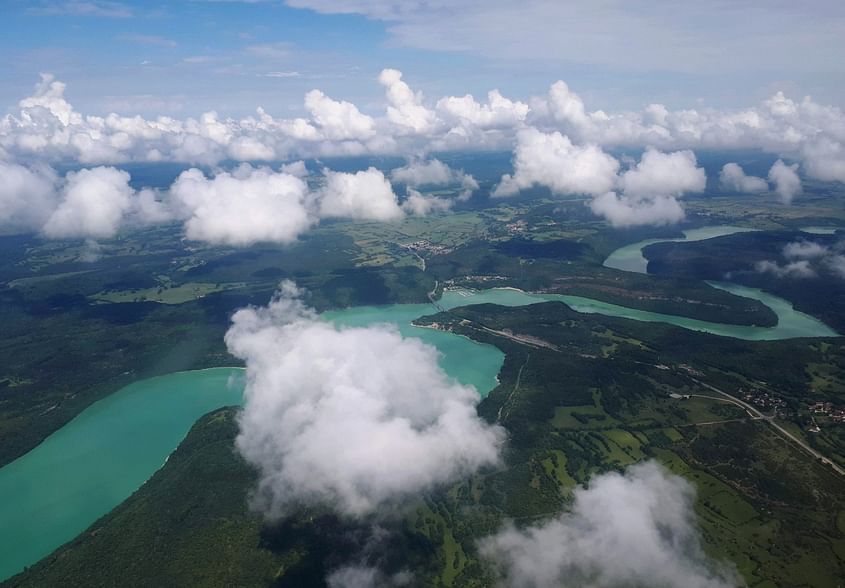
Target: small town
(428, 247)
(827, 409)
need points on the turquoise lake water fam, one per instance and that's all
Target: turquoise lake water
(89, 466)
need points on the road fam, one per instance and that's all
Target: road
(759, 415)
(750, 409)
(432, 297)
(515, 388)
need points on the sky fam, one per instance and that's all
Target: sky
(189, 56)
(93, 85)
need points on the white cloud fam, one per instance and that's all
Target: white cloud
(241, 207)
(93, 204)
(786, 181)
(355, 577)
(249, 149)
(499, 112)
(27, 196)
(804, 250)
(733, 177)
(362, 576)
(246, 206)
(806, 259)
(824, 159)
(361, 195)
(567, 108)
(636, 529)
(664, 174)
(48, 128)
(405, 108)
(151, 208)
(420, 173)
(338, 120)
(354, 418)
(423, 204)
(836, 265)
(434, 173)
(295, 168)
(552, 160)
(649, 189)
(794, 269)
(628, 211)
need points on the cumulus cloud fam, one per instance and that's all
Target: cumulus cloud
(733, 177)
(240, 207)
(557, 141)
(406, 109)
(786, 181)
(47, 127)
(824, 159)
(628, 211)
(93, 204)
(27, 196)
(804, 250)
(295, 168)
(793, 269)
(338, 120)
(664, 174)
(246, 206)
(649, 190)
(361, 195)
(631, 529)
(89, 203)
(434, 173)
(806, 259)
(422, 204)
(355, 418)
(499, 112)
(552, 160)
(566, 107)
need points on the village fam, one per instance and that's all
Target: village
(827, 409)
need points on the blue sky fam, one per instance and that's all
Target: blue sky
(184, 57)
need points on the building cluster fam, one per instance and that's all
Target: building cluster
(516, 227)
(827, 409)
(429, 247)
(472, 279)
(690, 370)
(764, 400)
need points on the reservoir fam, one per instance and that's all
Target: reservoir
(82, 471)
(86, 468)
(630, 258)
